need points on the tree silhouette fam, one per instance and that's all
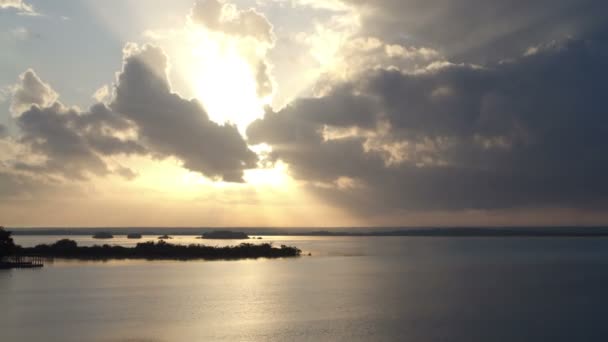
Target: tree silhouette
(7, 245)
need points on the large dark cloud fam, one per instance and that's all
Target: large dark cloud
(71, 143)
(531, 133)
(65, 141)
(481, 30)
(173, 126)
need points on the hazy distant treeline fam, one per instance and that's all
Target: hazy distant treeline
(397, 231)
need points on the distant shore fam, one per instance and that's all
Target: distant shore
(421, 232)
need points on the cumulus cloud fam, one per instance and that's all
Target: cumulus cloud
(143, 118)
(525, 133)
(66, 141)
(173, 126)
(218, 16)
(30, 91)
(363, 53)
(224, 17)
(64, 151)
(71, 143)
(21, 6)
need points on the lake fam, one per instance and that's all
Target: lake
(350, 289)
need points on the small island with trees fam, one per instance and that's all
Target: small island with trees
(103, 235)
(226, 234)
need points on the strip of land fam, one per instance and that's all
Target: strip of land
(68, 249)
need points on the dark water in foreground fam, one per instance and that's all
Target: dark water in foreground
(351, 289)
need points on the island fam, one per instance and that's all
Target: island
(226, 234)
(103, 235)
(69, 249)
(164, 237)
(134, 236)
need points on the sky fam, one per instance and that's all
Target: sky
(303, 113)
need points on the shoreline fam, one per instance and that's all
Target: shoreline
(587, 232)
(68, 249)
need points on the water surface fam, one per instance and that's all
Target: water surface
(350, 289)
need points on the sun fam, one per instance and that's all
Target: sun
(225, 81)
(221, 73)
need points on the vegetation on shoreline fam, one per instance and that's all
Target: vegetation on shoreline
(7, 246)
(160, 250)
(103, 235)
(225, 234)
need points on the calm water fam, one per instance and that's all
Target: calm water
(350, 289)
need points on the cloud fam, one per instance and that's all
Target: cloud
(263, 80)
(102, 94)
(143, 118)
(173, 126)
(49, 134)
(66, 141)
(31, 91)
(125, 172)
(29, 189)
(13, 185)
(529, 133)
(480, 31)
(227, 18)
(21, 6)
(5, 93)
(72, 144)
(199, 52)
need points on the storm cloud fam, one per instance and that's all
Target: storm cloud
(529, 133)
(481, 31)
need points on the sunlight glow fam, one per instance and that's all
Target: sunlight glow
(224, 81)
(275, 176)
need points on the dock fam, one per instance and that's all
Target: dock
(21, 262)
